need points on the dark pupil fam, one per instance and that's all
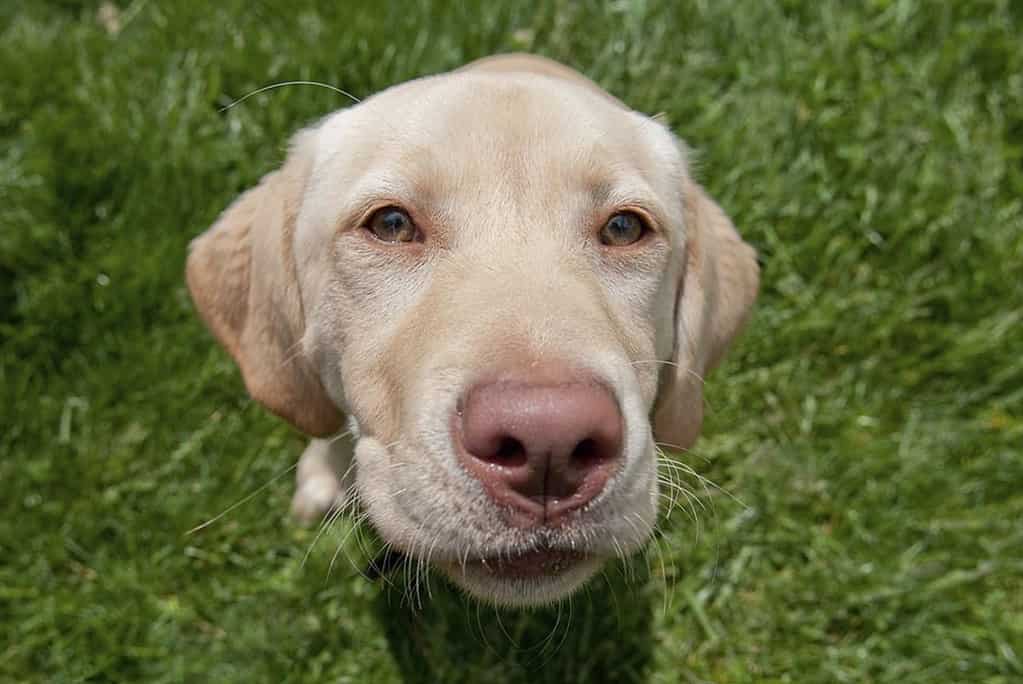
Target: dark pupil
(621, 226)
(393, 222)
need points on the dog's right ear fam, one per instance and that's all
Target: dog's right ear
(241, 274)
(721, 279)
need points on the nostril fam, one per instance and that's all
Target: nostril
(510, 453)
(587, 454)
(542, 449)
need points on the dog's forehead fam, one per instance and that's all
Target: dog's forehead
(485, 136)
(514, 115)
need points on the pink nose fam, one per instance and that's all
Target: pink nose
(541, 448)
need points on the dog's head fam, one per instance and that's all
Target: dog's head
(511, 286)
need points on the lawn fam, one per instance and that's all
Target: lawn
(865, 435)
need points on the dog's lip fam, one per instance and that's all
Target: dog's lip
(534, 563)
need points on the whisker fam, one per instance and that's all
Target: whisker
(341, 545)
(504, 630)
(292, 352)
(664, 569)
(568, 626)
(339, 437)
(672, 486)
(685, 450)
(479, 626)
(406, 571)
(282, 84)
(328, 520)
(696, 375)
(388, 447)
(620, 552)
(660, 361)
(381, 566)
(429, 555)
(679, 489)
(465, 556)
(676, 488)
(691, 498)
(639, 535)
(242, 501)
(421, 571)
(614, 598)
(364, 549)
(542, 645)
(706, 482)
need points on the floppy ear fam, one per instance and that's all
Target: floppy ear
(241, 273)
(719, 283)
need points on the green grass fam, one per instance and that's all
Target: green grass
(871, 420)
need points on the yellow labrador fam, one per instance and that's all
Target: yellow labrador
(506, 285)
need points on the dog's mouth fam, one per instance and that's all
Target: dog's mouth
(524, 578)
(532, 564)
(527, 565)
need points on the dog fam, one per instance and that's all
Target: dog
(488, 295)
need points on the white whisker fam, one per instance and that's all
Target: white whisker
(274, 86)
(660, 361)
(242, 501)
(341, 545)
(329, 519)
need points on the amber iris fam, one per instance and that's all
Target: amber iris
(391, 224)
(622, 229)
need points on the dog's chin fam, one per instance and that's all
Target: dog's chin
(517, 567)
(528, 579)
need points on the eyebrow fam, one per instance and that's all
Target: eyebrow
(602, 193)
(631, 190)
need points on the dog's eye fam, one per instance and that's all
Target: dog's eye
(622, 229)
(391, 224)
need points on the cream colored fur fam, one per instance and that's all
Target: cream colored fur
(509, 166)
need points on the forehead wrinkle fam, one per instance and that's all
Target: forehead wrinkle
(625, 190)
(610, 176)
(401, 169)
(519, 188)
(513, 152)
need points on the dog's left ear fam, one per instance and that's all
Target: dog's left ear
(719, 284)
(241, 274)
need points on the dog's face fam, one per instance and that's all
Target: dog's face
(504, 279)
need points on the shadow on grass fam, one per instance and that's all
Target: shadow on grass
(601, 634)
